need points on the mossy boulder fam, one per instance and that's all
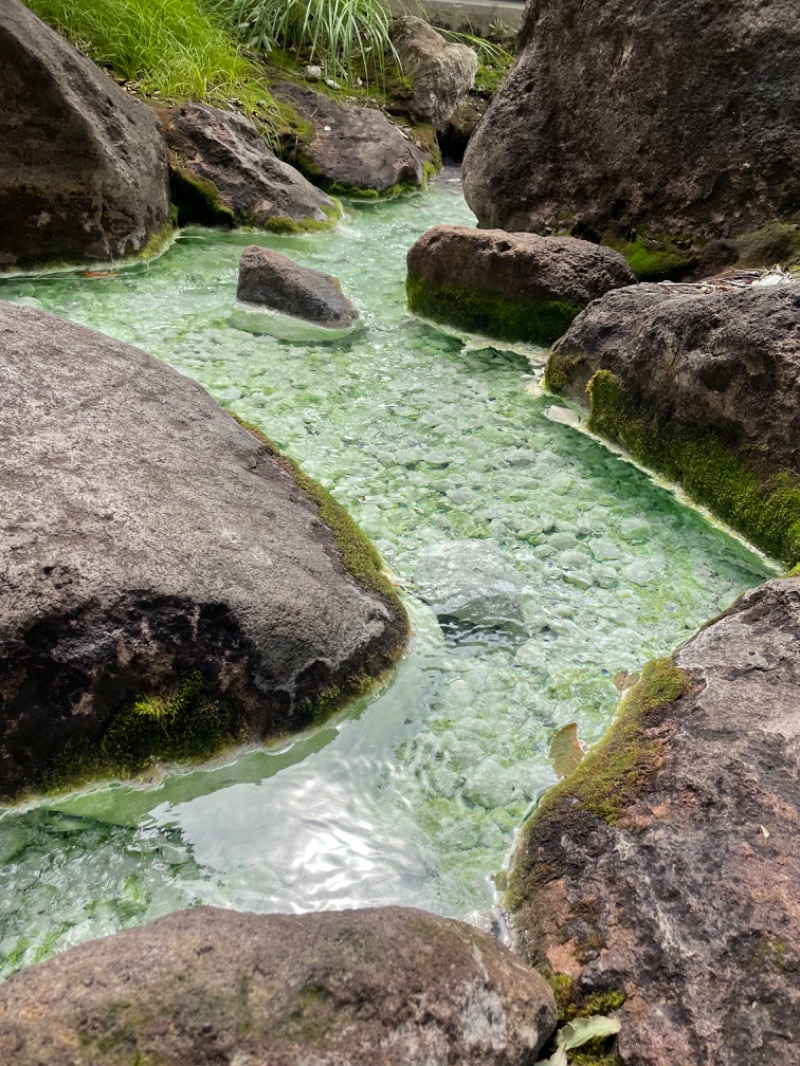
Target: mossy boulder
(513, 286)
(671, 133)
(355, 151)
(652, 882)
(172, 585)
(378, 987)
(83, 168)
(223, 173)
(702, 384)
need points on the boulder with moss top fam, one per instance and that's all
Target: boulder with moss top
(355, 151)
(223, 173)
(379, 987)
(83, 168)
(169, 583)
(275, 295)
(700, 383)
(514, 286)
(441, 72)
(670, 132)
(657, 881)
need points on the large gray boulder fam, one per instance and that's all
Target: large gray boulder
(83, 168)
(700, 382)
(515, 286)
(353, 150)
(275, 295)
(441, 72)
(224, 173)
(382, 987)
(658, 880)
(167, 582)
(666, 129)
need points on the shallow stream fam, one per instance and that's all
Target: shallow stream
(413, 798)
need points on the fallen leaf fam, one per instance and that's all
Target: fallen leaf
(581, 1030)
(565, 750)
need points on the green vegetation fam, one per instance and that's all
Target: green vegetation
(540, 321)
(573, 1003)
(494, 61)
(656, 258)
(170, 48)
(762, 505)
(348, 39)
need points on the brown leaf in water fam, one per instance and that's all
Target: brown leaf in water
(565, 750)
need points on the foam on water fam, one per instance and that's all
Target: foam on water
(415, 797)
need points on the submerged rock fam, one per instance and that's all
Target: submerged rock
(658, 880)
(379, 987)
(441, 72)
(168, 582)
(658, 131)
(83, 169)
(701, 385)
(353, 150)
(515, 286)
(224, 173)
(472, 581)
(275, 295)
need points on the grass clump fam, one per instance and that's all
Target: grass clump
(348, 39)
(171, 48)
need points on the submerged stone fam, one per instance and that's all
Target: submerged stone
(83, 168)
(275, 295)
(701, 385)
(515, 286)
(656, 880)
(169, 583)
(223, 172)
(377, 987)
(471, 580)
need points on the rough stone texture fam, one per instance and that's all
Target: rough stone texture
(688, 904)
(671, 117)
(441, 72)
(472, 581)
(512, 285)
(382, 987)
(269, 279)
(223, 171)
(354, 150)
(721, 363)
(145, 535)
(83, 169)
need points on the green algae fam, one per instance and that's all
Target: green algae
(735, 484)
(536, 320)
(656, 258)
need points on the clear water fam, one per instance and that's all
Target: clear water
(415, 797)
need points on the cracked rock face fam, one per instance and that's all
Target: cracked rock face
(145, 537)
(688, 904)
(83, 167)
(380, 987)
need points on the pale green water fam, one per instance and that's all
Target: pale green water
(415, 798)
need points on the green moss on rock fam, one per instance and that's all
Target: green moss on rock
(656, 258)
(539, 321)
(735, 483)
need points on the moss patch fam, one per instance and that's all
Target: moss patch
(540, 321)
(761, 504)
(198, 200)
(656, 258)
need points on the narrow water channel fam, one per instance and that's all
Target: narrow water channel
(414, 797)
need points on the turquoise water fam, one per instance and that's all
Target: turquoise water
(548, 563)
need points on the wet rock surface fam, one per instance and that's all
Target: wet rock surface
(83, 170)
(471, 581)
(674, 120)
(354, 150)
(671, 885)
(441, 72)
(272, 280)
(224, 173)
(384, 987)
(147, 539)
(695, 360)
(517, 286)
